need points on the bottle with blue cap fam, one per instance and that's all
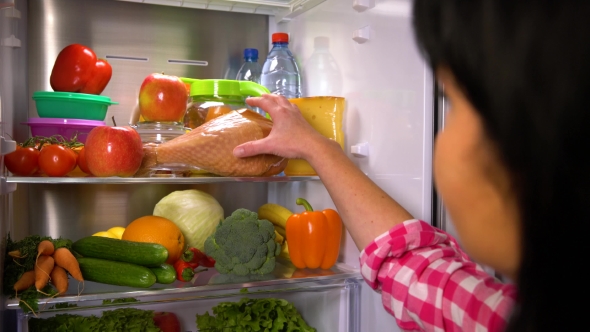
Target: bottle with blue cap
(251, 69)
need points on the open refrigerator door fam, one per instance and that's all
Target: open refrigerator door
(368, 56)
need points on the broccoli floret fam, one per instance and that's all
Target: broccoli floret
(243, 245)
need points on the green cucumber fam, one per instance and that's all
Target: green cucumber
(116, 273)
(140, 253)
(165, 273)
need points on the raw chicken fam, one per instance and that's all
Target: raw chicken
(210, 147)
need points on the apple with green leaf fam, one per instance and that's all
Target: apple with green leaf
(162, 98)
(113, 151)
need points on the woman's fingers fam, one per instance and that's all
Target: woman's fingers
(248, 149)
(290, 134)
(272, 104)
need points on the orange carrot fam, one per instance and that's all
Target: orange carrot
(64, 258)
(25, 281)
(42, 269)
(46, 248)
(15, 254)
(59, 279)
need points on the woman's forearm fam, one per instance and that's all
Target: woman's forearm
(366, 210)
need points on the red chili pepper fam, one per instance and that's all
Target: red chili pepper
(196, 258)
(192, 256)
(184, 271)
(208, 261)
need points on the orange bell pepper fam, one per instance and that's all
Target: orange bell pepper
(314, 237)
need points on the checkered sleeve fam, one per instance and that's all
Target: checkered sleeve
(429, 284)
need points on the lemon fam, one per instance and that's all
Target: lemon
(104, 234)
(116, 232)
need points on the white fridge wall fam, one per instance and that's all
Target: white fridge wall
(389, 93)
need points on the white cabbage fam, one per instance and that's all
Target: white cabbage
(195, 212)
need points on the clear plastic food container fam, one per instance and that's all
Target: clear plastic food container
(213, 98)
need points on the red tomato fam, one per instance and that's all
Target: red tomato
(73, 153)
(57, 160)
(77, 69)
(167, 321)
(82, 161)
(22, 161)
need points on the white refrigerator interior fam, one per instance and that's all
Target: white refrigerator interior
(388, 120)
(362, 50)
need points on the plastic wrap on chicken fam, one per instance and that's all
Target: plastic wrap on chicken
(210, 146)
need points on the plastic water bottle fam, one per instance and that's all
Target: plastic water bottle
(250, 70)
(280, 74)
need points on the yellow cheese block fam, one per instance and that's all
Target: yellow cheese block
(325, 114)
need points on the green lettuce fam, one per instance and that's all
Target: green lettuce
(119, 320)
(264, 315)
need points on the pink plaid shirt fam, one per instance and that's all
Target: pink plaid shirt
(429, 284)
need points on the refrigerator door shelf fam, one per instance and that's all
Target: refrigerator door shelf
(360, 150)
(362, 5)
(362, 35)
(6, 146)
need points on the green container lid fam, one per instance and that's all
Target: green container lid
(71, 105)
(213, 87)
(73, 96)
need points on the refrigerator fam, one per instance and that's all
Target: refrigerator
(390, 120)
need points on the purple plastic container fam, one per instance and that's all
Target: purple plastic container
(64, 127)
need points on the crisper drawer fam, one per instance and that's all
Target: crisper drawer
(329, 303)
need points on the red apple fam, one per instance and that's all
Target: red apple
(162, 98)
(113, 151)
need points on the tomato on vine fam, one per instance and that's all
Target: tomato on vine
(23, 161)
(53, 156)
(82, 161)
(57, 160)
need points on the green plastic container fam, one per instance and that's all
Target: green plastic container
(217, 94)
(72, 105)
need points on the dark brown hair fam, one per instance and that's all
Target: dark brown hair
(525, 66)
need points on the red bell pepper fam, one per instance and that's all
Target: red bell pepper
(77, 69)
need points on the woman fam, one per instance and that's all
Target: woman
(509, 165)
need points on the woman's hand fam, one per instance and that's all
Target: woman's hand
(291, 136)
